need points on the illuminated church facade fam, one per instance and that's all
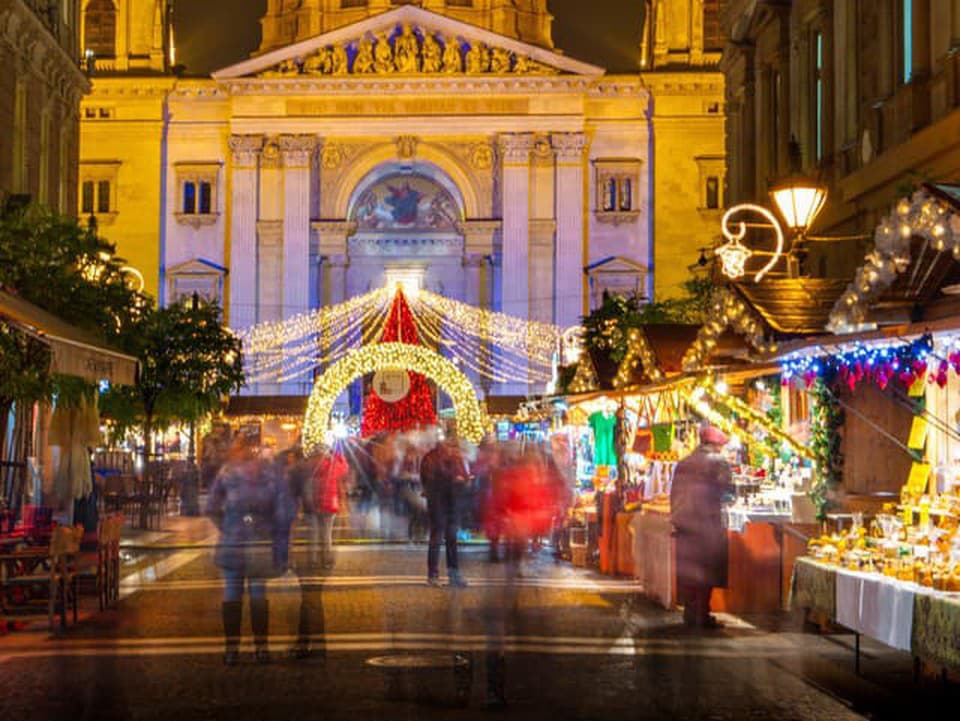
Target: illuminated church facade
(440, 144)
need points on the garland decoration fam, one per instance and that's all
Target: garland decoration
(826, 420)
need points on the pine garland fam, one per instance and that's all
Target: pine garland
(827, 419)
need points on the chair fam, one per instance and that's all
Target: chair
(102, 565)
(59, 578)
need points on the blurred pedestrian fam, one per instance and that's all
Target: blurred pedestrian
(250, 505)
(331, 477)
(443, 474)
(701, 481)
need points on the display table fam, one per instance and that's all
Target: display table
(654, 554)
(903, 615)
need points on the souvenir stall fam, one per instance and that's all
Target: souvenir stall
(890, 571)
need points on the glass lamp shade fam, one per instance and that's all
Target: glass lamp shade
(799, 201)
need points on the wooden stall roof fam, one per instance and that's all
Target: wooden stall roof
(794, 306)
(504, 405)
(267, 406)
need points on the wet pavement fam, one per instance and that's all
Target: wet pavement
(577, 646)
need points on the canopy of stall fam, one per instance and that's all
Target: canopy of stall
(74, 352)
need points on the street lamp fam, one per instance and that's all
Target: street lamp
(798, 199)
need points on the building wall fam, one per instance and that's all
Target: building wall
(123, 131)
(40, 92)
(883, 130)
(687, 115)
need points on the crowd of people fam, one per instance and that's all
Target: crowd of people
(515, 494)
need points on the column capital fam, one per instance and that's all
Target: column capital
(297, 150)
(244, 150)
(569, 146)
(478, 235)
(516, 147)
(332, 236)
(270, 232)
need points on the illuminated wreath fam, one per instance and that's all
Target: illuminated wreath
(471, 420)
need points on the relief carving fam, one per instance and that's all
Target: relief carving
(406, 146)
(409, 51)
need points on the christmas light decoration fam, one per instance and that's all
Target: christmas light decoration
(880, 364)
(471, 421)
(756, 418)
(585, 379)
(726, 310)
(921, 215)
(638, 351)
(415, 409)
(733, 254)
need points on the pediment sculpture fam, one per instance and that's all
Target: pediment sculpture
(409, 50)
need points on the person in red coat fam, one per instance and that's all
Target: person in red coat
(701, 482)
(330, 478)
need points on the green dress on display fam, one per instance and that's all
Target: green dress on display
(604, 448)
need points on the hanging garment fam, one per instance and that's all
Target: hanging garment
(604, 439)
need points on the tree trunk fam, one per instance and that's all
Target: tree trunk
(147, 439)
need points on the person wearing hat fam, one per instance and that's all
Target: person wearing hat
(700, 483)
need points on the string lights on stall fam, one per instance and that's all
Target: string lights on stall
(920, 216)
(726, 311)
(639, 352)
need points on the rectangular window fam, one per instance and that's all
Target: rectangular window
(86, 202)
(20, 137)
(818, 94)
(189, 198)
(103, 196)
(713, 192)
(907, 8)
(205, 197)
(43, 194)
(626, 194)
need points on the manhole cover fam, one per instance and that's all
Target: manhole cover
(418, 661)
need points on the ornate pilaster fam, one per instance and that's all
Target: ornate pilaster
(244, 154)
(515, 150)
(297, 152)
(332, 238)
(568, 282)
(542, 233)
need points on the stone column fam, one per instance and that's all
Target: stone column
(297, 151)
(242, 308)
(542, 284)
(270, 283)
(334, 260)
(568, 279)
(515, 149)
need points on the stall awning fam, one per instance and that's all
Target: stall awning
(74, 352)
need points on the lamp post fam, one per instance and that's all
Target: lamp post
(798, 200)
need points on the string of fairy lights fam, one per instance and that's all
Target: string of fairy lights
(492, 345)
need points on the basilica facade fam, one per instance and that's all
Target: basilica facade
(442, 145)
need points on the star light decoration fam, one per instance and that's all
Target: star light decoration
(726, 310)
(638, 351)
(921, 215)
(471, 420)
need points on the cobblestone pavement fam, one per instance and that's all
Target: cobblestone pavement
(577, 646)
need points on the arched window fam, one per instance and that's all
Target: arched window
(100, 28)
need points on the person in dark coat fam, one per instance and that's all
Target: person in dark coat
(443, 473)
(701, 482)
(251, 506)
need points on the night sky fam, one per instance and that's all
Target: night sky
(213, 34)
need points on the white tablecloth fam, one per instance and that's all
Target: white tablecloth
(876, 606)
